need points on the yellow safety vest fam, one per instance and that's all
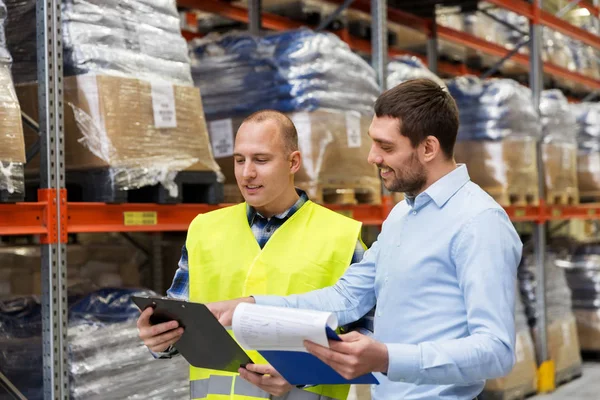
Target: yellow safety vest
(311, 250)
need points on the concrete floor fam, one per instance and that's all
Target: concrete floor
(583, 388)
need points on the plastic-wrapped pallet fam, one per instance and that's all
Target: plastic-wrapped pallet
(12, 147)
(583, 274)
(404, 68)
(497, 137)
(132, 115)
(522, 380)
(326, 89)
(588, 153)
(106, 357)
(290, 71)
(563, 342)
(126, 38)
(559, 148)
(334, 156)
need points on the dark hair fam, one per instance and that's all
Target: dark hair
(424, 109)
(288, 131)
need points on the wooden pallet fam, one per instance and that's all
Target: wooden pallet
(589, 197)
(17, 195)
(568, 374)
(507, 198)
(516, 393)
(98, 185)
(335, 195)
(232, 194)
(565, 197)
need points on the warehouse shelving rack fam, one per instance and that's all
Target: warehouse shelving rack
(52, 217)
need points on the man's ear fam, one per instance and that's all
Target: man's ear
(296, 161)
(430, 148)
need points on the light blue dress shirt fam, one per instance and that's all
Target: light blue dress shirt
(443, 274)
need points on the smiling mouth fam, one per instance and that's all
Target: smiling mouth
(384, 171)
(253, 187)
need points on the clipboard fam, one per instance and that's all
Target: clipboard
(205, 343)
(299, 368)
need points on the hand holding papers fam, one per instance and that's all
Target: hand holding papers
(279, 335)
(285, 329)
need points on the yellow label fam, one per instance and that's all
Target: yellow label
(556, 212)
(140, 218)
(592, 212)
(519, 212)
(347, 213)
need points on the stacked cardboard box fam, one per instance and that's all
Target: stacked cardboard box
(89, 266)
(334, 147)
(497, 137)
(143, 132)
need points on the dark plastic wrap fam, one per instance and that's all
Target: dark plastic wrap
(107, 360)
(128, 38)
(290, 71)
(405, 68)
(493, 109)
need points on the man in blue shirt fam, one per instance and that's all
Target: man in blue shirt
(442, 271)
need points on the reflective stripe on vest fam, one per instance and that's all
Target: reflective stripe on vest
(221, 385)
(214, 385)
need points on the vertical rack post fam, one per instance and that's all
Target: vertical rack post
(546, 367)
(379, 42)
(255, 17)
(157, 263)
(432, 45)
(54, 291)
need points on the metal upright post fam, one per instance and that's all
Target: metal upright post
(546, 374)
(157, 263)
(379, 42)
(255, 17)
(54, 288)
(432, 46)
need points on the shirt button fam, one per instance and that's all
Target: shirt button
(414, 213)
(379, 313)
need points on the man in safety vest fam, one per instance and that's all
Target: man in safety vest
(278, 243)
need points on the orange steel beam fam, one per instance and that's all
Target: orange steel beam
(499, 51)
(240, 14)
(23, 219)
(549, 20)
(31, 218)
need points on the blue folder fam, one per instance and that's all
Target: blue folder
(300, 368)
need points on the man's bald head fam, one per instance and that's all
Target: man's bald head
(285, 126)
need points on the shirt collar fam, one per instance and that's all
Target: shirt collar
(252, 213)
(443, 189)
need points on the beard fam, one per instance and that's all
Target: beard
(410, 180)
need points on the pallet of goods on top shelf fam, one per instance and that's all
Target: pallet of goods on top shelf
(318, 82)
(133, 122)
(12, 147)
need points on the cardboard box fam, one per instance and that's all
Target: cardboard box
(588, 173)
(334, 147)
(103, 265)
(588, 329)
(560, 170)
(128, 123)
(502, 168)
(563, 345)
(522, 380)
(12, 145)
